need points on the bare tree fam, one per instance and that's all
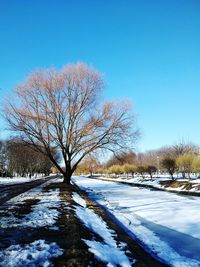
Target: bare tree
(89, 165)
(61, 110)
(121, 158)
(169, 164)
(182, 148)
(150, 169)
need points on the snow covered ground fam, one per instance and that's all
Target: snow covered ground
(156, 182)
(167, 224)
(18, 180)
(44, 213)
(37, 253)
(107, 250)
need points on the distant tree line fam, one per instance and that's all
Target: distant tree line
(16, 158)
(182, 158)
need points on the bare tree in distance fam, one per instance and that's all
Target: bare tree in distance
(62, 110)
(183, 147)
(121, 158)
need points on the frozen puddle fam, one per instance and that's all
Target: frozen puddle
(37, 253)
(43, 214)
(107, 251)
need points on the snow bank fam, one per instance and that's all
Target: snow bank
(107, 251)
(38, 253)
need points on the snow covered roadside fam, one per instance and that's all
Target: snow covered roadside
(182, 184)
(107, 250)
(44, 213)
(40, 210)
(37, 253)
(163, 183)
(18, 180)
(140, 209)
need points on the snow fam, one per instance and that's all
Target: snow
(167, 224)
(107, 250)
(18, 180)
(111, 255)
(37, 253)
(78, 199)
(43, 214)
(155, 182)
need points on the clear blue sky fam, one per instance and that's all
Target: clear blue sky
(148, 51)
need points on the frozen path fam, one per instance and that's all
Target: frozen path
(167, 224)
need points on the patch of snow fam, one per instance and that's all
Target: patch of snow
(45, 211)
(78, 199)
(107, 251)
(95, 223)
(108, 254)
(43, 214)
(38, 253)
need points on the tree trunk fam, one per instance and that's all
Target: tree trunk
(67, 177)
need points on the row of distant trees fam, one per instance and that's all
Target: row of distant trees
(16, 158)
(182, 158)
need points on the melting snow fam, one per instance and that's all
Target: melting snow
(78, 199)
(107, 251)
(108, 254)
(38, 253)
(44, 213)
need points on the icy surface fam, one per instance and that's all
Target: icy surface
(38, 253)
(162, 220)
(107, 250)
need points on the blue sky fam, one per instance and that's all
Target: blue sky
(148, 51)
